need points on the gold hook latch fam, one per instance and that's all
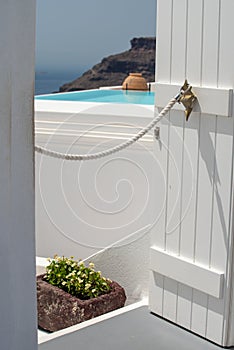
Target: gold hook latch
(187, 98)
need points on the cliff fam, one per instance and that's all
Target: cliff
(113, 70)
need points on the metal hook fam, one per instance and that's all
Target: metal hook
(187, 98)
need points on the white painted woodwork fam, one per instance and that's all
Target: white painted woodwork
(204, 279)
(194, 41)
(18, 321)
(209, 100)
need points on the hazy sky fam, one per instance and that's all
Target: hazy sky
(75, 35)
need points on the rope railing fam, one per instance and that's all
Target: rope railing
(121, 146)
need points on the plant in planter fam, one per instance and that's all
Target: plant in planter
(70, 293)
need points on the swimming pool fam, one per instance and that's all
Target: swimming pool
(103, 96)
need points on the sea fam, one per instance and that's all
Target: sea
(47, 82)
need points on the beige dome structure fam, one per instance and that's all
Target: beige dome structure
(135, 81)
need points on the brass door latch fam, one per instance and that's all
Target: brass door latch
(187, 99)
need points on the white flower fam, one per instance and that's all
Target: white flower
(87, 286)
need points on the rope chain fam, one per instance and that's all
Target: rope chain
(117, 148)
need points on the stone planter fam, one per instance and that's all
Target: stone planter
(58, 309)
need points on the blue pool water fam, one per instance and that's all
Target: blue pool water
(106, 96)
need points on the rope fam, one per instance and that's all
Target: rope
(117, 148)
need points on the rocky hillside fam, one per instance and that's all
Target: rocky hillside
(113, 69)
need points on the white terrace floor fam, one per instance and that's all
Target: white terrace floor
(137, 329)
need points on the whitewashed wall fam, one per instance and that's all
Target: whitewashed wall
(194, 40)
(84, 207)
(18, 324)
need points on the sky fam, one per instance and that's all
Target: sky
(73, 35)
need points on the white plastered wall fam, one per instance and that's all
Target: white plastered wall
(84, 208)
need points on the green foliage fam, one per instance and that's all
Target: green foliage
(75, 278)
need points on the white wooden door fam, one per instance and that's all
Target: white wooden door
(191, 253)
